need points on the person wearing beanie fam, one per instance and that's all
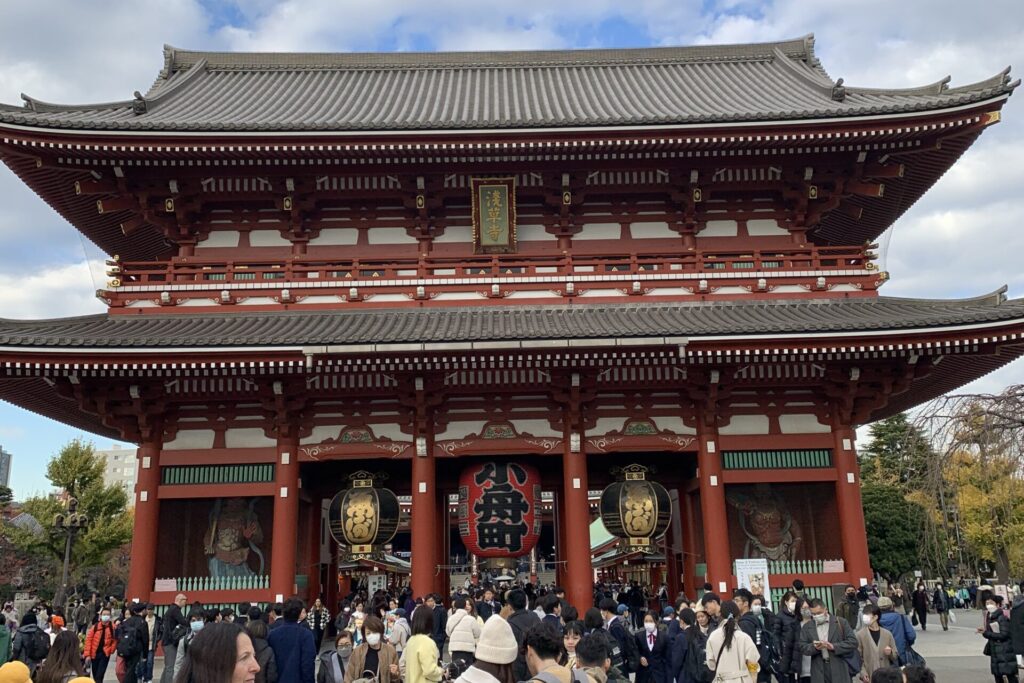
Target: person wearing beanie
(496, 651)
(15, 672)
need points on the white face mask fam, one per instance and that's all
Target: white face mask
(791, 605)
(866, 619)
(649, 627)
(992, 609)
(373, 639)
(756, 609)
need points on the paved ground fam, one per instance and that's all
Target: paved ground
(954, 655)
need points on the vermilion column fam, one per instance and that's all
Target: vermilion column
(147, 520)
(713, 509)
(558, 508)
(423, 521)
(851, 513)
(579, 574)
(286, 518)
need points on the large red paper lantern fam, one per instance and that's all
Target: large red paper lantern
(499, 509)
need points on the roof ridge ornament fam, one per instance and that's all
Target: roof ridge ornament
(838, 91)
(138, 104)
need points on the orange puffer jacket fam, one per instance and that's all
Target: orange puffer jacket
(92, 639)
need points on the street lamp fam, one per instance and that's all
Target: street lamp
(70, 523)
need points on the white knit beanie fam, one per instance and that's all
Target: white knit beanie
(497, 643)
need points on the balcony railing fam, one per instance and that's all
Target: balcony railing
(296, 269)
(803, 567)
(210, 583)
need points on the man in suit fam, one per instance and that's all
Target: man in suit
(827, 639)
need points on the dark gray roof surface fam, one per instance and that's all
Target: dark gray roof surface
(468, 324)
(209, 91)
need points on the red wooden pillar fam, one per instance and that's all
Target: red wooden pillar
(713, 509)
(286, 518)
(851, 512)
(690, 579)
(579, 574)
(423, 522)
(558, 507)
(147, 519)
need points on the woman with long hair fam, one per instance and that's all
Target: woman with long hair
(64, 661)
(257, 630)
(730, 652)
(574, 631)
(496, 652)
(219, 653)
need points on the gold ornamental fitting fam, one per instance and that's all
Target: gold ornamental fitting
(114, 284)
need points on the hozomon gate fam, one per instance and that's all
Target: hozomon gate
(405, 263)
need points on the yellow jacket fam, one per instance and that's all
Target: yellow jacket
(419, 660)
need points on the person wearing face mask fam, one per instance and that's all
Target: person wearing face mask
(877, 646)
(257, 631)
(827, 639)
(730, 652)
(998, 648)
(786, 629)
(196, 623)
(333, 663)
(750, 623)
(374, 658)
(849, 608)
(100, 645)
(652, 642)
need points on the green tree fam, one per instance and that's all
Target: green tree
(77, 470)
(899, 454)
(6, 496)
(893, 527)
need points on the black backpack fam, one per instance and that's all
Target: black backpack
(768, 649)
(696, 658)
(130, 643)
(38, 646)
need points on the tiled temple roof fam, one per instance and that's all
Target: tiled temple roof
(214, 91)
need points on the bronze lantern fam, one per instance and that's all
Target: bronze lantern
(636, 509)
(363, 518)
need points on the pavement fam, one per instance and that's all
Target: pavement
(954, 655)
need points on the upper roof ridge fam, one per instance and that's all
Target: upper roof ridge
(176, 59)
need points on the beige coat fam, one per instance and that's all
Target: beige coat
(732, 663)
(874, 655)
(385, 659)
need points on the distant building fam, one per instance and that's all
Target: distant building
(5, 467)
(122, 468)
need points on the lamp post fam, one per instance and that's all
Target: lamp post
(70, 523)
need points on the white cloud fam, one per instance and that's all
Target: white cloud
(50, 293)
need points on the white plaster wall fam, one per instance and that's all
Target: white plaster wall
(721, 228)
(247, 438)
(257, 301)
(455, 234)
(746, 424)
(599, 231)
(765, 226)
(220, 238)
(802, 424)
(651, 230)
(389, 236)
(458, 296)
(460, 430)
(187, 439)
(267, 238)
(674, 424)
(536, 428)
(390, 430)
(534, 295)
(604, 425)
(335, 237)
(533, 233)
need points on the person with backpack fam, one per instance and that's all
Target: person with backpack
(522, 621)
(616, 627)
(751, 624)
(132, 641)
(175, 628)
(730, 653)
(31, 643)
(257, 631)
(898, 625)
(100, 645)
(543, 648)
(592, 659)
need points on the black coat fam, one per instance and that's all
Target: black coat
(1017, 628)
(658, 658)
(521, 622)
(999, 649)
(173, 618)
(679, 648)
(787, 635)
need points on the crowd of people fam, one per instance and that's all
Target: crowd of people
(503, 634)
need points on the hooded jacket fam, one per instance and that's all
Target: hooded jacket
(900, 628)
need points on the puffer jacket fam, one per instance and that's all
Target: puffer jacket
(463, 632)
(1002, 661)
(92, 639)
(786, 629)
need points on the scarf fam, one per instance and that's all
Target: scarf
(336, 668)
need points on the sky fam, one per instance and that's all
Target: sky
(964, 238)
